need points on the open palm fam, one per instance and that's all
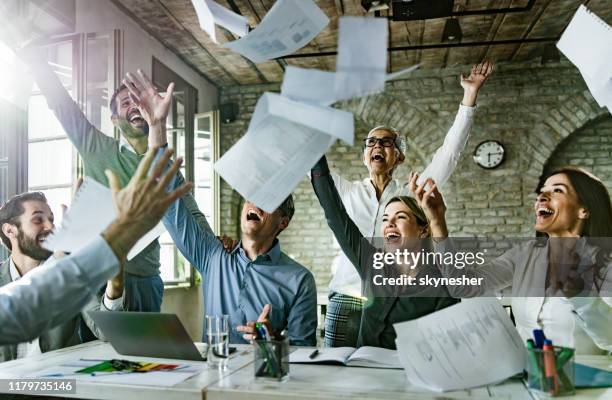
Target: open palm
(478, 75)
(153, 106)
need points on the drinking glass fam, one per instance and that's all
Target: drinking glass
(217, 334)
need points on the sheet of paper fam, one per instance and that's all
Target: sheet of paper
(210, 13)
(312, 85)
(284, 140)
(587, 43)
(362, 57)
(91, 212)
(156, 378)
(470, 344)
(286, 28)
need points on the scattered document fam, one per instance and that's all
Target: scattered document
(470, 344)
(366, 356)
(362, 56)
(164, 378)
(286, 28)
(313, 85)
(210, 13)
(91, 213)
(284, 140)
(587, 43)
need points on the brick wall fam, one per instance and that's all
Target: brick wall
(531, 109)
(589, 148)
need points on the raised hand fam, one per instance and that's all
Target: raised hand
(431, 201)
(143, 202)
(472, 83)
(249, 331)
(153, 107)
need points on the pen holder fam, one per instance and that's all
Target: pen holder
(272, 359)
(551, 372)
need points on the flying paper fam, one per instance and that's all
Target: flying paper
(286, 28)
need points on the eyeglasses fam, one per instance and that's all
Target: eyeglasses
(385, 141)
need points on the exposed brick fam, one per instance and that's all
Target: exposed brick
(534, 111)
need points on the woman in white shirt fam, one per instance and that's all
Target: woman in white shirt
(560, 282)
(365, 201)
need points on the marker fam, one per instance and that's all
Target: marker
(538, 335)
(314, 354)
(262, 332)
(550, 369)
(536, 365)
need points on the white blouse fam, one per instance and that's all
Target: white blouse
(524, 268)
(362, 206)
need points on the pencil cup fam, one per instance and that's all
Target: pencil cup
(272, 359)
(551, 372)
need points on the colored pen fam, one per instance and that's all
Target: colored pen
(314, 354)
(550, 369)
(536, 366)
(538, 335)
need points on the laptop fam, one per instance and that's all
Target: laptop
(146, 334)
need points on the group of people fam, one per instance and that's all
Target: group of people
(45, 297)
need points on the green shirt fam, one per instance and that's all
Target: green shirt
(99, 153)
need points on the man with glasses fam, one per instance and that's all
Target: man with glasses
(384, 149)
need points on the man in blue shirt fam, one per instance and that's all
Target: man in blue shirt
(255, 273)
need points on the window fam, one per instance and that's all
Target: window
(51, 156)
(206, 152)
(192, 137)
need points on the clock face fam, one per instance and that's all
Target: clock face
(489, 154)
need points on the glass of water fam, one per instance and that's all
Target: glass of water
(217, 334)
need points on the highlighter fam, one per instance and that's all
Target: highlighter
(536, 365)
(550, 368)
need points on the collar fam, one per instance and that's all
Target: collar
(123, 143)
(273, 255)
(369, 185)
(13, 271)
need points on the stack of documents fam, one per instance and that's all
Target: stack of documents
(587, 43)
(470, 344)
(92, 211)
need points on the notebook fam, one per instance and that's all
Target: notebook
(370, 357)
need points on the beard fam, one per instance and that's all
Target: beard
(31, 247)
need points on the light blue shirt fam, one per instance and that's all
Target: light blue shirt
(54, 293)
(236, 286)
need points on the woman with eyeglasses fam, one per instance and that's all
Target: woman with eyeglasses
(384, 149)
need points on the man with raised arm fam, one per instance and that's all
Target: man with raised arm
(54, 293)
(255, 272)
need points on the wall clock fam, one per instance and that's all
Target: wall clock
(489, 154)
